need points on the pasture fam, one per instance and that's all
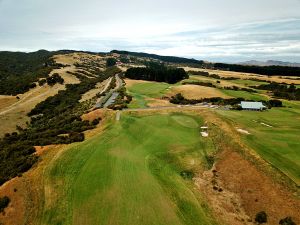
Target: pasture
(131, 174)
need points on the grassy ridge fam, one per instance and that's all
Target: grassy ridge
(130, 175)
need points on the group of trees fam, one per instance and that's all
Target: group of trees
(19, 71)
(52, 80)
(111, 62)
(57, 120)
(236, 88)
(181, 100)
(157, 72)
(262, 217)
(285, 91)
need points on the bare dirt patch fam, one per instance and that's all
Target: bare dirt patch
(196, 92)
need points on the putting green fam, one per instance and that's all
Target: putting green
(130, 174)
(186, 121)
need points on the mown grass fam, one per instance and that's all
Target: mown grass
(142, 91)
(245, 95)
(130, 174)
(279, 144)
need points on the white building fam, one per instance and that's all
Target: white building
(256, 106)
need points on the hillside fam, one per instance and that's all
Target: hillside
(270, 63)
(136, 138)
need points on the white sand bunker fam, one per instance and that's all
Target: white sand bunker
(204, 134)
(267, 125)
(242, 131)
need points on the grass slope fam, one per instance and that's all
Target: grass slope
(142, 91)
(130, 175)
(278, 144)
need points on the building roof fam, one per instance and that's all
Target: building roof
(252, 105)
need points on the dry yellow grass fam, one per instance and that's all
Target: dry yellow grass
(130, 82)
(244, 75)
(15, 111)
(196, 92)
(153, 102)
(6, 101)
(100, 87)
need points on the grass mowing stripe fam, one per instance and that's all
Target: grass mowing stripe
(111, 179)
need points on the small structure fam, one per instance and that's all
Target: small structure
(255, 106)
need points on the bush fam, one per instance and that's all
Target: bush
(4, 201)
(261, 217)
(111, 62)
(287, 221)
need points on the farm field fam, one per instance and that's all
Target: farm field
(130, 174)
(274, 135)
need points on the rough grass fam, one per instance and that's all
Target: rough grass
(130, 175)
(279, 144)
(196, 92)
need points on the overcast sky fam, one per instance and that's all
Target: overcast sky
(215, 30)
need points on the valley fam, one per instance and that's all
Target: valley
(110, 149)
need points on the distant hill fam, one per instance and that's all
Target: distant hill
(269, 63)
(168, 59)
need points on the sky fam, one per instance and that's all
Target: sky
(213, 30)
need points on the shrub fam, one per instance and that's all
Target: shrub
(4, 201)
(111, 62)
(287, 221)
(261, 217)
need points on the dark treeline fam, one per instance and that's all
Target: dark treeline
(215, 76)
(285, 91)
(181, 100)
(263, 70)
(236, 88)
(19, 71)
(57, 120)
(167, 59)
(157, 72)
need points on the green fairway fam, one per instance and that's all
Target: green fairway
(131, 174)
(274, 135)
(142, 91)
(245, 95)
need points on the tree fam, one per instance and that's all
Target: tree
(261, 217)
(111, 62)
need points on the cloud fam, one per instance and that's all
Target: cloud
(234, 31)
